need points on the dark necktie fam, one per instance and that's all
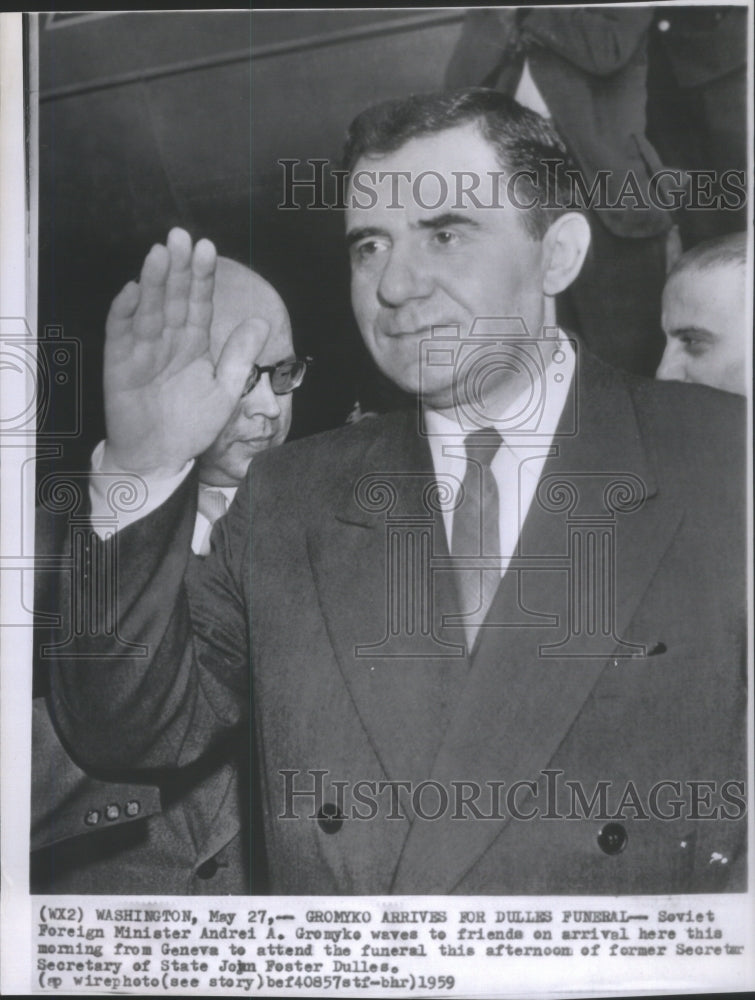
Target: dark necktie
(475, 532)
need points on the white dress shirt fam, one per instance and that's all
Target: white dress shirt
(527, 93)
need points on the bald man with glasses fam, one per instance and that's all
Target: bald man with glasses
(182, 834)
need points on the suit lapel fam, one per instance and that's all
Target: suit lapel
(529, 681)
(370, 563)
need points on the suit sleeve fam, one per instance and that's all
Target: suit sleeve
(159, 673)
(62, 795)
(598, 42)
(488, 38)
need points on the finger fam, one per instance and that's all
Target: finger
(241, 350)
(199, 318)
(149, 318)
(178, 284)
(122, 310)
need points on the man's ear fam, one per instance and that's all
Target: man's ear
(564, 248)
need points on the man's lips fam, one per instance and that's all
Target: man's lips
(262, 440)
(417, 331)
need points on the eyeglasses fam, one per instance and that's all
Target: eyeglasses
(285, 376)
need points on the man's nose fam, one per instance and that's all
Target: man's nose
(672, 367)
(261, 400)
(405, 277)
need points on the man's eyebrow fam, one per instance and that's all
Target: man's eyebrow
(444, 221)
(693, 331)
(447, 220)
(354, 235)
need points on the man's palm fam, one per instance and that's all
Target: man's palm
(165, 398)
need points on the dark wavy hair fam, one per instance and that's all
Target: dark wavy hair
(522, 139)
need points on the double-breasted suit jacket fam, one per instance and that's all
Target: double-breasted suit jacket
(611, 659)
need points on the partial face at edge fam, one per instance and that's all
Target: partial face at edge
(704, 319)
(261, 420)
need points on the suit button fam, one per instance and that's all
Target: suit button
(208, 869)
(133, 808)
(613, 838)
(112, 811)
(329, 818)
(92, 818)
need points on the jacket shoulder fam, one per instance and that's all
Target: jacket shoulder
(698, 437)
(322, 464)
(694, 417)
(289, 487)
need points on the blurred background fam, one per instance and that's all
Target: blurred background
(151, 120)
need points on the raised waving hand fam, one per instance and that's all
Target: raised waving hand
(166, 399)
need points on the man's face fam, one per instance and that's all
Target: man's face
(261, 419)
(704, 322)
(414, 268)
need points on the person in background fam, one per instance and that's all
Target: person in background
(585, 69)
(697, 109)
(704, 316)
(94, 832)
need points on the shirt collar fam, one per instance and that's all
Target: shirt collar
(229, 492)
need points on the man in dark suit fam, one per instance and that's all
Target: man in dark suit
(181, 834)
(496, 644)
(586, 68)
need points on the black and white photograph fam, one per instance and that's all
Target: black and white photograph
(377, 500)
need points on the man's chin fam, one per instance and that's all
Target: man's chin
(228, 473)
(436, 394)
